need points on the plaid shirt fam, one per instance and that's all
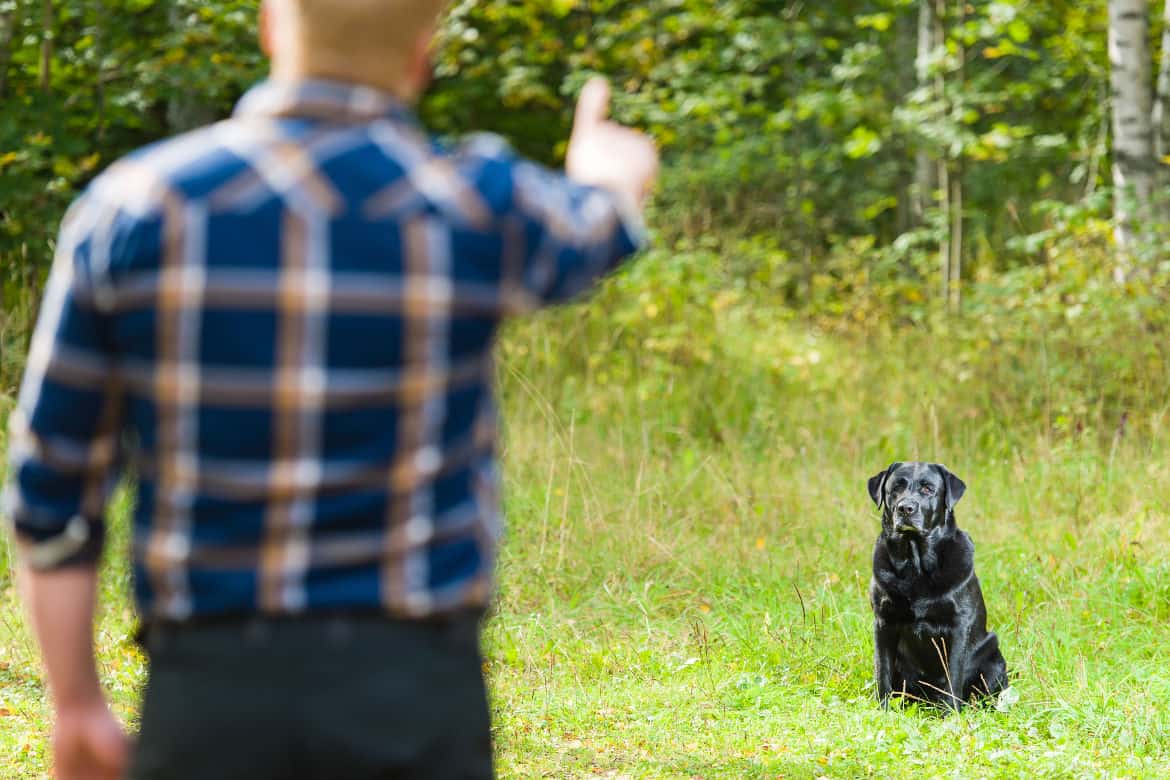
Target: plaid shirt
(289, 317)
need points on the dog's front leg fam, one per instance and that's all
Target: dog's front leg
(956, 664)
(885, 649)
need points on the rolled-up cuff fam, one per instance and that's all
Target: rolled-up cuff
(632, 221)
(79, 544)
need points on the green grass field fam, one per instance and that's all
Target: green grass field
(683, 584)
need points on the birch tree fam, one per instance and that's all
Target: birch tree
(1134, 164)
(953, 257)
(926, 175)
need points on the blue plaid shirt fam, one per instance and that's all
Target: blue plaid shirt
(282, 325)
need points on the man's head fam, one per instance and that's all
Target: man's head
(382, 43)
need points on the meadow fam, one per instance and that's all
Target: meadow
(683, 582)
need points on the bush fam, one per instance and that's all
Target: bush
(733, 344)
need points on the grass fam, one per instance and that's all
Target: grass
(683, 584)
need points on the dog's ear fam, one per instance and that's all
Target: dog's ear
(955, 486)
(878, 481)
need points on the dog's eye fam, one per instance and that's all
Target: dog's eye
(926, 490)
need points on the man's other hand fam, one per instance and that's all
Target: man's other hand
(89, 744)
(605, 154)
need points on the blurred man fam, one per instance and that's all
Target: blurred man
(289, 316)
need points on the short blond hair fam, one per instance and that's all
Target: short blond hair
(389, 28)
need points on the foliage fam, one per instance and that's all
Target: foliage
(122, 73)
(799, 120)
(802, 119)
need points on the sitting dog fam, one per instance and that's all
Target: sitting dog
(931, 641)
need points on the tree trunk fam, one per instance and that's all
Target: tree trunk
(925, 177)
(99, 41)
(909, 214)
(955, 201)
(1134, 164)
(945, 247)
(9, 21)
(955, 275)
(185, 111)
(946, 190)
(46, 45)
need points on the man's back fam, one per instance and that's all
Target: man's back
(292, 312)
(288, 318)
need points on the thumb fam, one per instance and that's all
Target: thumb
(592, 105)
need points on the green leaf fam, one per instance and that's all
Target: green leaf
(879, 207)
(879, 22)
(1019, 30)
(862, 142)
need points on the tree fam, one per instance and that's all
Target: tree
(1134, 165)
(929, 39)
(8, 24)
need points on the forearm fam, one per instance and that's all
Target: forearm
(60, 604)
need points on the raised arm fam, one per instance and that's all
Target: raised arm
(575, 227)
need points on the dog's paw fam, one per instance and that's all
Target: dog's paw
(1006, 699)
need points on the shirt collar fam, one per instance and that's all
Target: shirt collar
(333, 101)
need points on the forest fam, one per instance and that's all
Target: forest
(885, 230)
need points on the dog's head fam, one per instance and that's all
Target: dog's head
(916, 498)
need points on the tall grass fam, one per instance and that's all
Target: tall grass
(683, 582)
(680, 601)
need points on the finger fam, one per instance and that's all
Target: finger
(593, 105)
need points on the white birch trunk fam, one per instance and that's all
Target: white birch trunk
(905, 40)
(925, 174)
(955, 273)
(938, 16)
(1134, 165)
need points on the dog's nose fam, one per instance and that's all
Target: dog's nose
(906, 508)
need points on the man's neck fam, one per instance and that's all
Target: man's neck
(350, 72)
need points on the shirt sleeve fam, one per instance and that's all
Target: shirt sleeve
(558, 238)
(65, 429)
(569, 235)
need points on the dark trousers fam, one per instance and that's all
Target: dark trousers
(328, 698)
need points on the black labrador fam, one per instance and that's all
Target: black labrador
(931, 641)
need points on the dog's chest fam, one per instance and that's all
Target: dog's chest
(922, 616)
(933, 617)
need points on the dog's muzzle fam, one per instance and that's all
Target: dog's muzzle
(903, 512)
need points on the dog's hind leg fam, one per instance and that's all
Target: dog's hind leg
(988, 669)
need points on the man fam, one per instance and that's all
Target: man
(290, 315)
